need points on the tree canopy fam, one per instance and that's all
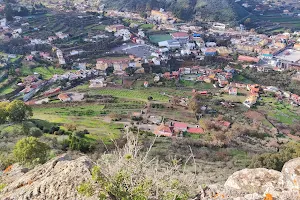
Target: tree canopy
(18, 111)
(30, 151)
(3, 112)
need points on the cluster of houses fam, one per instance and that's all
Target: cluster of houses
(279, 7)
(119, 64)
(222, 78)
(278, 52)
(174, 129)
(181, 129)
(31, 84)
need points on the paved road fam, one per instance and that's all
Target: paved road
(141, 50)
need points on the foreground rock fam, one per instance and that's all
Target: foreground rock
(57, 179)
(258, 184)
(254, 180)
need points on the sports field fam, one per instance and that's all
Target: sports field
(159, 38)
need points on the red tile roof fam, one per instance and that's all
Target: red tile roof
(164, 130)
(179, 35)
(225, 123)
(63, 96)
(196, 130)
(180, 125)
(248, 59)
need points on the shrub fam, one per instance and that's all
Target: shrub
(46, 130)
(61, 132)
(2, 186)
(65, 144)
(127, 174)
(3, 113)
(6, 161)
(35, 132)
(54, 129)
(85, 189)
(78, 142)
(18, 111)
(135, 118)
(30, 151)
(276, 160)
(79, 134)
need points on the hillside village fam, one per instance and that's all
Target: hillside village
(86, 78)
(178, 53)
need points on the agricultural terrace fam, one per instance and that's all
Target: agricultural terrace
(280, 112)
(158, 94)
(45, 72)
(91, 117)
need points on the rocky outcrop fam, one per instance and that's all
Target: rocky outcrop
(57, 179)
(258, 184)
(254, 180)
(291, 174)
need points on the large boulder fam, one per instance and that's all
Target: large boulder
(291, 174)
(57, 179)
(254, 181)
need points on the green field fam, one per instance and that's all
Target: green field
(147, 26)
(7, 89)
(86, 110)
(241, 79)
(283, 113)
(284, 21)
(159, 38)
(141, 94)
(98, 129)
(45, 72)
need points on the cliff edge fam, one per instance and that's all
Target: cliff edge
(59, 178)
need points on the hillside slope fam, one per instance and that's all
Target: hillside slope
(206, 10)
(219, 10)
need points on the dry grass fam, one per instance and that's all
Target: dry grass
(130, 174)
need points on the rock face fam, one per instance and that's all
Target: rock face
(254, 180)
(55, 180)
(59, 178)
(258, 184)
(291, 174)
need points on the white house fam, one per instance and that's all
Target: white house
(156, 61)
(211, 44)
(16, 33)
(3, 22)
(171, 44)
(141, 33)
(191, 45)
(97, 83)
(123, 33)
(219, 26)
(76, 52)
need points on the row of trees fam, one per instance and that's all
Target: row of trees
(9, 12)
(15, 111)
